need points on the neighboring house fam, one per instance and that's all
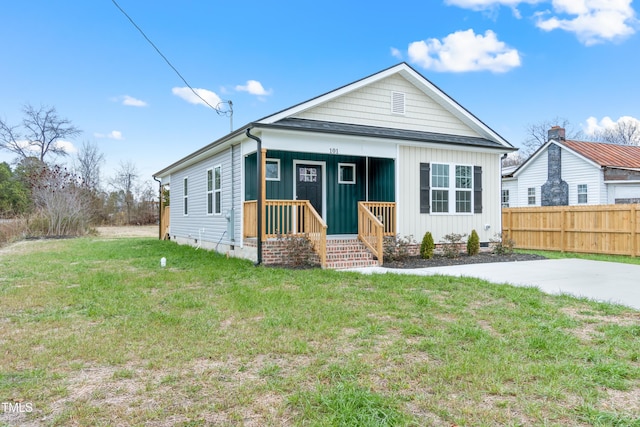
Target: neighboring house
(564, 172)
(390, 154)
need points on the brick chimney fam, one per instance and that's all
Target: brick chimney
(556, 133)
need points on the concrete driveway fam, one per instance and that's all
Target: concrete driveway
(597, 280)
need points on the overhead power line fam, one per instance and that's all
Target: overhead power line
(217, 109)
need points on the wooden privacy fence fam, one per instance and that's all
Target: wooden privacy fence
(598, 229)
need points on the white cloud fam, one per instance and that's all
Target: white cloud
(66, 146)
(592, 21)
(396, 53)
(133, 102)
(593, 125)
(114, 134)
(464, 51)
(253, 87)
(187, 94)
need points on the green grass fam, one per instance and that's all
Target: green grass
(95, 332)
(595, 257)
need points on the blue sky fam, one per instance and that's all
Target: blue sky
(511, 63)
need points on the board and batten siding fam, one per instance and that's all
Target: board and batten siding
(197, 224)
(412, 222)
(371, 106)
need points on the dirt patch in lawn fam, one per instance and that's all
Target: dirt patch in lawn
(128, 231)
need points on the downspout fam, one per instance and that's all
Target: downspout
(259, 195)
(159, 207)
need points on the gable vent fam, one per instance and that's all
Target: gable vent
(397, 102)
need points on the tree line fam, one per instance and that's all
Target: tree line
(56, 198)
(625, 131)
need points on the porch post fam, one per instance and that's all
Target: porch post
(263, 191)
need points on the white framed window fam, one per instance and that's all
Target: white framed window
(209, 191)
(451, 188)
(185, 196)
(346, 173)
(217, 189)
(531, 196)
(272, 170)
(464, 188)
(582, 193)
(505, 198)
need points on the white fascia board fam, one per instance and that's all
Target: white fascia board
(326, 143)
(200, 155)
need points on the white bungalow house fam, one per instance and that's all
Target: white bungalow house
(390, 154)
(565, 173)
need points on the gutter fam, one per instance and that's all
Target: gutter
(159, 207)
(259, 195)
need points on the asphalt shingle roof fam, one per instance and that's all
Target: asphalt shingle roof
(380, 132)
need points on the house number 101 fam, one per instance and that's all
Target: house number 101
(333, 151)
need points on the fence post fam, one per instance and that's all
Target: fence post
(563, 227)
(632, 225)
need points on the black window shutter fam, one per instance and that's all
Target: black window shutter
(477, 189)
(424, 188)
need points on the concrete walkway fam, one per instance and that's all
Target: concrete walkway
(598, 280)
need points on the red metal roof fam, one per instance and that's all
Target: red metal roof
(612, 155)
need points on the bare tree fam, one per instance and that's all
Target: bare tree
(125, 183)
(41, 132)
(626, 131)
(88, 162)
(61, 200)
(538, 134)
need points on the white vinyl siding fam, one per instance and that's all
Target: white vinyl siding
(410, 222)
(199, 224)
(371, 106)
(575, 171)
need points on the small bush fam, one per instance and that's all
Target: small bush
(427, 246)
(300, 251)
(473, 244)
(452, 244)
(397, 248)
(502, 244)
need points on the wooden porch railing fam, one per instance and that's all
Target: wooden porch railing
(376, 220)
(282, 217)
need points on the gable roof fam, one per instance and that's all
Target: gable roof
(284, 120)
(609, 155)
(411, 75)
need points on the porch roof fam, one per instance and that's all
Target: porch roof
(380, 132)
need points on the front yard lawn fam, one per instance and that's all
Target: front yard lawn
(94, 332)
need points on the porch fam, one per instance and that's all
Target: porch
(299, 218)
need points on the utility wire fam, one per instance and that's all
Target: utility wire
(216, 108)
